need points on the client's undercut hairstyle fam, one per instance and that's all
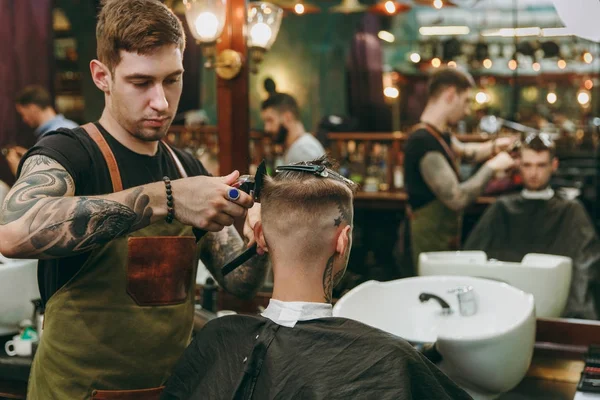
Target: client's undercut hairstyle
(444, 78)
(540, 142)
(296, 191)
(136, 26)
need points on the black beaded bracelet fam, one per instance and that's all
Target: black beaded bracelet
(170, 211)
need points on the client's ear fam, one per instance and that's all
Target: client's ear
(343, 240)
(259, 234)
(554, 164)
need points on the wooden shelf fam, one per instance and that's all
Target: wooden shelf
(396, 136)
(401, 197)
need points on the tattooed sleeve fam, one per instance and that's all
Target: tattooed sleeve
(54, 223)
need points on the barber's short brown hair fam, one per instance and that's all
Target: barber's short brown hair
(137, 26)
(444, 78)
(36, 95)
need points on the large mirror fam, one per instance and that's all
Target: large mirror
(359, 75)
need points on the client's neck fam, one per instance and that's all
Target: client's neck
(295, 282)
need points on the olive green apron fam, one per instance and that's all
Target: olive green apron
(117, 328)
(435, 227)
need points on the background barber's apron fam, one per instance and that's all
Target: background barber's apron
(117, 328)
(435, 227)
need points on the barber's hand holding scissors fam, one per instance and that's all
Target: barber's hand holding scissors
(209, 203)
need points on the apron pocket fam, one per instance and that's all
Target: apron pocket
(141, 394)
(160, 269)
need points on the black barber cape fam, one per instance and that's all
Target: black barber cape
(247, 357)
(515, 226)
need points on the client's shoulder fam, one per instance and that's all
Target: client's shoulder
(366, 335)
(234, 323)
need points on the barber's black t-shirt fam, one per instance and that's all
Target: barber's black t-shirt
(418, 144)
(82, 159)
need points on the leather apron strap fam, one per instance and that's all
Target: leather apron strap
(437, 135)
(113, 168)
(176, 160)
(111, 162)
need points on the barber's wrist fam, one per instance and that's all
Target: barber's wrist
(169, 200)
(494, 147)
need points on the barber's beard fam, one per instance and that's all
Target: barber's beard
(281, 135)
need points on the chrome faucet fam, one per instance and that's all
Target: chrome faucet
(446, 310)
(467, 303)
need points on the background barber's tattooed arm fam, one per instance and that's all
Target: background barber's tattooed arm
(40, 217)
(472, 152)
(441, 179)
(217, 248)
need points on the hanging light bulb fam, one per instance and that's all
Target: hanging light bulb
(436, 62)
(452, 64)
(438, 4)
(562, 64)
(587, 57)
(387, 36)
(389, 7)
(391, 92)
(588, 84)
(415, 57)
(536, 66)
(583, 97)
(348, 7)
(487, 63)
(512, 64)
(301, 8)
(481, 97)
(551, 97)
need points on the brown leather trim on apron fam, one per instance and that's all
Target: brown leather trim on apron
(436, 134)
(176, 160)
(141, 394)
(159, 271)
(113, 168)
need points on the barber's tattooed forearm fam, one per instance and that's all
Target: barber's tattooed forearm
(217, 248)
(442, 180)
(328, 279)
(58, 224)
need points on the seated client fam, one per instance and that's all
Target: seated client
(297, 349)
(538, 220)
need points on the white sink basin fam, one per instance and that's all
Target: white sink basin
(545, 276)
(487, 353)
(18, 286)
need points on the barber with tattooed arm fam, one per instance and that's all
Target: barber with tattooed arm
(108, 208)
(435, 194)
